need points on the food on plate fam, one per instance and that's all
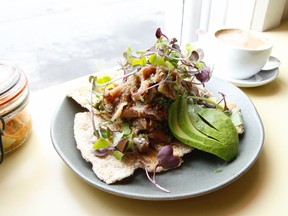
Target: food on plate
(152, 112)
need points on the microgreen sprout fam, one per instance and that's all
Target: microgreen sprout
(167, 160)
(107, 140)
(112, 141)
(224, 100)
(159, 34)
(93, 81)
(167, 53)
(207, 102)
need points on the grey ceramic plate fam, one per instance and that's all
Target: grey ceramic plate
(197, 176)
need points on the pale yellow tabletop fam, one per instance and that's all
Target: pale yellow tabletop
(35, 181)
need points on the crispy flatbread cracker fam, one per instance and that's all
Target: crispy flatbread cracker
(81, 95)
(117, 170)
(108, 168)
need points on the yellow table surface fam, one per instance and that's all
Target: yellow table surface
(35, 181)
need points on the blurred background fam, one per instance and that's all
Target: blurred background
(54, 41)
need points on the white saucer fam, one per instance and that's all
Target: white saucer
(261, 78)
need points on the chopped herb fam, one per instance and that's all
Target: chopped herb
(218, 170)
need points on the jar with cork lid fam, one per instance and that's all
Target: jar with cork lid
(15, 118)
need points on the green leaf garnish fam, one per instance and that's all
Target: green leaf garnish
(141, 61)
(118, 155)
(101, 143)
(189, 47)
(103, 79)
(219, 170)
(125, 129)
(199, 65)
(156, 60)
(105, 132)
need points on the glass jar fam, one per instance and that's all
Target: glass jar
(16, 121)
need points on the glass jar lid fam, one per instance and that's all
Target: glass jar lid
(9, 77)
(12, 82)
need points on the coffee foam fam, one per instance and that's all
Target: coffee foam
(242, 39)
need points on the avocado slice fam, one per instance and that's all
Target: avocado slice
(213, 123)
(175, 128)
(206, 129)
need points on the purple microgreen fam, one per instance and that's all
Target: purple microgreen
(166, 159)
(204, 76)
(176, 47)
(167, 53)
(200, 54)
(153, 181)
(224, 101)
(159, 34)
(173, 42)
(100, 152)
(194, 56)
(171, 56)
(205, 104)
(188, 63)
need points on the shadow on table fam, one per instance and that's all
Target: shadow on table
(225, 201)
(267, 90)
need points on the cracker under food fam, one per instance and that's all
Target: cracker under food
(108, 168)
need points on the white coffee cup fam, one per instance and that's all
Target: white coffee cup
(237, 53)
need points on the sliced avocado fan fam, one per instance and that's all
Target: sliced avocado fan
(206, 129)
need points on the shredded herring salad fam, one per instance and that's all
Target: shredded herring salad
(137, 104)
